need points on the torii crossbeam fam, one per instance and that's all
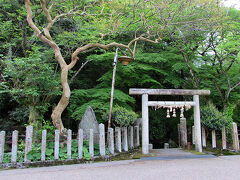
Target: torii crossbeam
(146, 103)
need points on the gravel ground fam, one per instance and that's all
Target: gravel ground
(209, 168)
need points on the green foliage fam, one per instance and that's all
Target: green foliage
(32, 82)
(35, 153)
(98, 99)
(27, 67)
(29, 79)
(228, 113)
(213, 119)
(7, 157)
(121, 116)
(157, 126)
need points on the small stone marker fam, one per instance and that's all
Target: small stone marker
(28, 142)
(14, 146)
(91, 143)
(214, 145)
(43, 146)
(150, 146)
(235, 137)
(193, 135)
(2, 143)
(80, 143)
(118, 139)
(69, 144)
(110, 141)
(204, 144)
(166, 146)
(89, 122)
(102, 140)
(125, 140)
(56, 145)
(224, 141)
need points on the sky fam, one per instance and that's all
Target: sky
(229, 3)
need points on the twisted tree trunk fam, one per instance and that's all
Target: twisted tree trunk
(46, 38)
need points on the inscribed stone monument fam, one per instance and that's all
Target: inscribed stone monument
(89, 122)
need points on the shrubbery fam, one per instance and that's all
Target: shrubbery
(121, 116)
(213, 119)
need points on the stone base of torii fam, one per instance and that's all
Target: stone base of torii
(146, 104)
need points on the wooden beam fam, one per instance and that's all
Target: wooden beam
(170, 103)
(137, 91)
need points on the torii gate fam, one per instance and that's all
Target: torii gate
(146, 103)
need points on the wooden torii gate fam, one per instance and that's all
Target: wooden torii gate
(146, 103)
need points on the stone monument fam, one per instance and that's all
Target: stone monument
(89, 122)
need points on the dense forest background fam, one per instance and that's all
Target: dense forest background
(199, 49)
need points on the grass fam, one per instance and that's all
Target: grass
(213, 151)
(133, 154)
(195, 152)
(220, 152)
(136, 154)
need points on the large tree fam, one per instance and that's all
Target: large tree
(146, 19)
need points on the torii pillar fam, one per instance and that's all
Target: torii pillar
(145, 124)
(146, 103)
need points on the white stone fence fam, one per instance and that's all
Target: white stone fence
(235, 138)
(122, 140)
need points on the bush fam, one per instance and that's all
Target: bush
(121, 116)
(213, 119)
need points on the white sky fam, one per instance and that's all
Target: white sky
(232, 3)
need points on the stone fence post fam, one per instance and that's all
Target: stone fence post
(224, 141)
(193, 135)
(183, 132)
(179, 135)
(131, 137)
(14, 146)
(110, 140)
(43, 146)
(118, 139)
(214, 145)
(125, 140)
(102, 140)
(56, 145)
(2, 143)
(136, 136)
(91, 143)
(235, 137)
(69, 144)
(204, 143)
(28, 142)
(80, 143)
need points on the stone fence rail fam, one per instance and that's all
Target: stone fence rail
(118, 140)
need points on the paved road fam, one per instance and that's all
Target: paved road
(214, 168)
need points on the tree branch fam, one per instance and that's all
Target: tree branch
(219, 91)
(83, 64)
(236, 85)
(49, 42)
(106, 47)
